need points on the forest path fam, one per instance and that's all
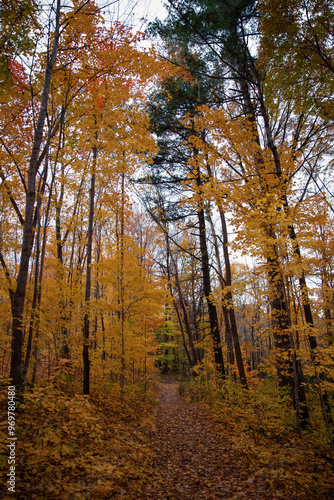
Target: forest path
(192, 460)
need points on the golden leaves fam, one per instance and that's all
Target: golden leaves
(67, 442)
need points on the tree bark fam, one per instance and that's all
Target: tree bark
(18, 298)
(86, 326)
(229, 302)
(212, 310)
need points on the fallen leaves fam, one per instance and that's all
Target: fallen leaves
(198, 456)
(80, 448)
(181, 451)
(194, 460)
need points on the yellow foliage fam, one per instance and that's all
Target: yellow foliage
(66, 442)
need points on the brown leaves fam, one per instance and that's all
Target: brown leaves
(193, 459)
(197, 458)
(73, 447)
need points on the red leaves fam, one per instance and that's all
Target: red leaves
(20, 78)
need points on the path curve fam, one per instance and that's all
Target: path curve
(192, 460)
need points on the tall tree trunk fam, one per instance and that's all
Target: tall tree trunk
(231, 330)
(39, 286)
(168, 267)
(285, 353)
(185, 315)
(34, 308)
(222, 282)
(86, 326)
(18, 296)
(213, 317)
(229, 302)
(122, 290)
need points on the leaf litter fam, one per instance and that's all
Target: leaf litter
(193, 460)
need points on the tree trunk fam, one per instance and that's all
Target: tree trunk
(213, 317)
(18, 299)
(85, 351)
(185, 317)
(222, 282)
(229, 302)
(280, 321)
(122, 289)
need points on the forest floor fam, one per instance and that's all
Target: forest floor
(74, 448)
(193, 459)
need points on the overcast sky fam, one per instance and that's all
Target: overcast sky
(136, 13)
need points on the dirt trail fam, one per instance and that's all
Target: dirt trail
(192, 459)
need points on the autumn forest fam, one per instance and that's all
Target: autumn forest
(167, 250)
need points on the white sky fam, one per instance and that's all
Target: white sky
(136, 13)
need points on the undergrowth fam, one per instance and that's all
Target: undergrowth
(260, 423)
(77, 447)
